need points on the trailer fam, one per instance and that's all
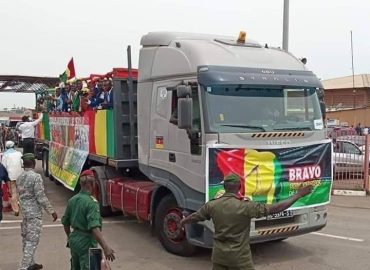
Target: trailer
(198, 108)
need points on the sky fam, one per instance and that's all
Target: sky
(39, 37)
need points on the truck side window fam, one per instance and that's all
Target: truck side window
(196, 110)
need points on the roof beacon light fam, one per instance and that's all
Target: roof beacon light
(242, 37)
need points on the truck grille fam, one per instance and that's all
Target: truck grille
(260, 224)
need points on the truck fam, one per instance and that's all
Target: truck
(199, 107)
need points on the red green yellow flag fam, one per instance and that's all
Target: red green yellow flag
(69, 73)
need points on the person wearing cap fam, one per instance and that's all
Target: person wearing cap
(231, 216)
(12, 161)
(32, 200)
(83, 216)
(3, 177)
(28, 133)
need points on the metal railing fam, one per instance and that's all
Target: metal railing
(351, 161)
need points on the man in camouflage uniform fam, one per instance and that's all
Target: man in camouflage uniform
(32, 199)
(232, 216)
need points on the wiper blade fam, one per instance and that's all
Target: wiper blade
(263, 128)
(293, 128)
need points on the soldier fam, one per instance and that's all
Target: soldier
(232, 217)
(32, 199)
(83, 215)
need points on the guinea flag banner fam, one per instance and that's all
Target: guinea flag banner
(269, 175)
(69, 73)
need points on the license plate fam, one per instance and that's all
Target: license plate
(284, 214)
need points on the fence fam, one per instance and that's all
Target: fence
(351, 161)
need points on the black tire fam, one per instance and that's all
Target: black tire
(168, 212)
(45, 163)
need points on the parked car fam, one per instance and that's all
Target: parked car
(348, 158)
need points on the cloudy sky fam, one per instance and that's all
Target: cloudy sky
(39, 37)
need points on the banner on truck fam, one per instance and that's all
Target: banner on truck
(69, 148)
(273, 175)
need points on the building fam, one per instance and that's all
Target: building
(348, 99)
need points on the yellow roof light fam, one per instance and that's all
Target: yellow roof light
(242, 37)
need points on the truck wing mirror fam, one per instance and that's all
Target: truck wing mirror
(323, 109)
(185, 116)
(183, 91)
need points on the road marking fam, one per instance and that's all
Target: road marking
(11, 221)
(59, 224)
(339, 237)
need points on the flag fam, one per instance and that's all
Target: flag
(259, 171)
(69, 73)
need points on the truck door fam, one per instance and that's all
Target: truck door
(186, 159)
(160, 115)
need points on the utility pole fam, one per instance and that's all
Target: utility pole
(286, 26)
(353, 75)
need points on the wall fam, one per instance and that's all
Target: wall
(353, 116)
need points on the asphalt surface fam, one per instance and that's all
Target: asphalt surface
(343, 244)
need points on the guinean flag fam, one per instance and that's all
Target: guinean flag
(259, 172)
(69, 73)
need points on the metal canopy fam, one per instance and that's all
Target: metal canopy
(26, 84)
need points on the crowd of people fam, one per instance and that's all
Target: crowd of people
(6, 134)
(78, 96)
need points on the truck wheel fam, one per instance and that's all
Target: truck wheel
(167, 226)
(105, 211)
(45, 163)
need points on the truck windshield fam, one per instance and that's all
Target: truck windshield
(238, 108)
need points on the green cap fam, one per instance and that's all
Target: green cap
(28, 156)
(232, 177)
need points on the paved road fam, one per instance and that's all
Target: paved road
(343, 244)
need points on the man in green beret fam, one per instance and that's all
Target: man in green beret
(232, 216)
(32, 200)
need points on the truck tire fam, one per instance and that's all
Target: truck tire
(105, 211)
(45, 163)
(172, 238)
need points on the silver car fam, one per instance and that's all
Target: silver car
(348, 158)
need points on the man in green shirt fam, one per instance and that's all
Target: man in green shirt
(232, 217)
(83, 215)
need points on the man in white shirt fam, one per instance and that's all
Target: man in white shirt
(28, 133)
(12, 161)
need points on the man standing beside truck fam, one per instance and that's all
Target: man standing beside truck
(83, 215)
(232, 216)
(28, 133)
(12, 161)
(32, 199)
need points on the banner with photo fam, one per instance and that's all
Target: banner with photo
(69, 148)
(273, 175)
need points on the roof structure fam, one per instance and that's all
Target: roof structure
(16, 83)
(360, 81)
